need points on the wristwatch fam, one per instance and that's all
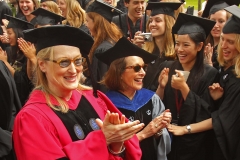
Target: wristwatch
(188, 128)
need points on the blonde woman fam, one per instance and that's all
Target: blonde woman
(160, 24)
(74, 14)
(63, 114)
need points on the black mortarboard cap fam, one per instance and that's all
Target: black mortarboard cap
(18, 23)
(213, 6)
(186, 24)
(233, 23)
(124, 48)
(163, 8)
(59, 35)
(45, 17)
(47, 0)
(104, 9)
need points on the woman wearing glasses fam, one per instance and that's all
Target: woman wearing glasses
(124, 80)
(61, 119)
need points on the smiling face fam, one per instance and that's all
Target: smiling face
(157, 25)
(63, 7)
(220, 17)
(12, 37)
(131, 80)
(135, 9)
(26, 6)
(62, 80)
(187, 50)
(229, 50)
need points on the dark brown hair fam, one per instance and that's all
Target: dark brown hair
(112, 78)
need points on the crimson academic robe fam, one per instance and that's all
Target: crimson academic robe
(40, 134)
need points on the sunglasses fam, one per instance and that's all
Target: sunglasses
(137, 67)
(65, 62)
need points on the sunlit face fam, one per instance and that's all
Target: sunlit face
(186, 49)
(12, 37)
(220, 17)
(63, 7)
(90, 25)
(135, 8)
(26, 6)
(44, 5)
(229, 50)
(157, 25)
(132, 80)
(62, 80)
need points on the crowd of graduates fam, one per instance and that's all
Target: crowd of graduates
(85, 79)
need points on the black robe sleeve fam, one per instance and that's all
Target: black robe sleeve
(226, 119)
(23, 83)
(10, 105)
(99, 68)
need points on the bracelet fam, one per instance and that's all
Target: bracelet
(159, 133)
(116, 153)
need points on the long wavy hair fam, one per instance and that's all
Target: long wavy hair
(104, 31)
(75, 14)
(41, 83)
(53, 7)
(168, 49)
(236, 60)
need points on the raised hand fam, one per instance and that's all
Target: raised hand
(3, 55)
(27, 48)
(208, 52)
(163, 77)
(216, 91)
(4, 38)
(138, 40)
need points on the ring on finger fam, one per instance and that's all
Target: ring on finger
(156, 126)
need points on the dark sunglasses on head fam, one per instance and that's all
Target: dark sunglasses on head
(65, 62)
(137, 67)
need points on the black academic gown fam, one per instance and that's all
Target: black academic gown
(214, 58)
(4, 9)
(127, 27)
(99, 68)
(197, 107)
(33, 21)
(150, 81)
(226, 119)
(23, 83)
(9, 107)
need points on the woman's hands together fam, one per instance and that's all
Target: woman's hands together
(116, 131)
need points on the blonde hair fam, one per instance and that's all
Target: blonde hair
(236, 59)
(168, 45)
(53, 7)
(75, 14)
(42, 83)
